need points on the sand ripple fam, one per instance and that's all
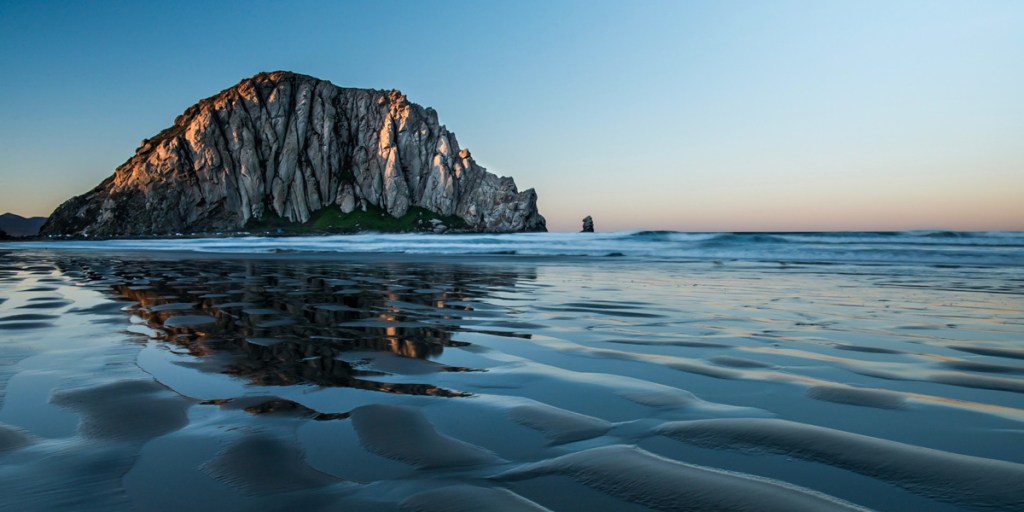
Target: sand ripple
(261, 464)
(127, 410)
(404, 434)
(559, 425)
(955, 478)
(12, 438)
(642, 477)
(465, 498)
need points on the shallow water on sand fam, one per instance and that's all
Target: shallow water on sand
(389, 382)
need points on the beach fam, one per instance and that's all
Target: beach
(628, 371)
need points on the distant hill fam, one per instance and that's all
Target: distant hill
(16, 225)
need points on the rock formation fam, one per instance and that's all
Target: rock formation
(588, 224)
(289, 145)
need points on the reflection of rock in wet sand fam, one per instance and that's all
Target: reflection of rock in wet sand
(272, 405)
(283, 325)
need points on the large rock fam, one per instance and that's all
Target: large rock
(290, 145)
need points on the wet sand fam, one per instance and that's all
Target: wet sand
(163, 381)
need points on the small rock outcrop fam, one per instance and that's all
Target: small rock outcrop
(289, 146)
(588, 224)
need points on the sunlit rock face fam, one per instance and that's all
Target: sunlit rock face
(289, 145)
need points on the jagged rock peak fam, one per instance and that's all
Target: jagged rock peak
(290, 145)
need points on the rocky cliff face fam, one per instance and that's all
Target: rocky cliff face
(290, 145)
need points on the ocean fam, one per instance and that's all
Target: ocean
(995, 248)
(551, 371)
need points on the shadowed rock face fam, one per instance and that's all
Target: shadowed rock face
(290, 145)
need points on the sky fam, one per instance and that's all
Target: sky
(678, 115)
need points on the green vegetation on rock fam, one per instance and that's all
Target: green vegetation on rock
(333, 220)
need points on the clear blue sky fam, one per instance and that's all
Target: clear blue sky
(717, 115)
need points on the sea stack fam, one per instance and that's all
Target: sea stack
(289, 146)
(588, 224)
